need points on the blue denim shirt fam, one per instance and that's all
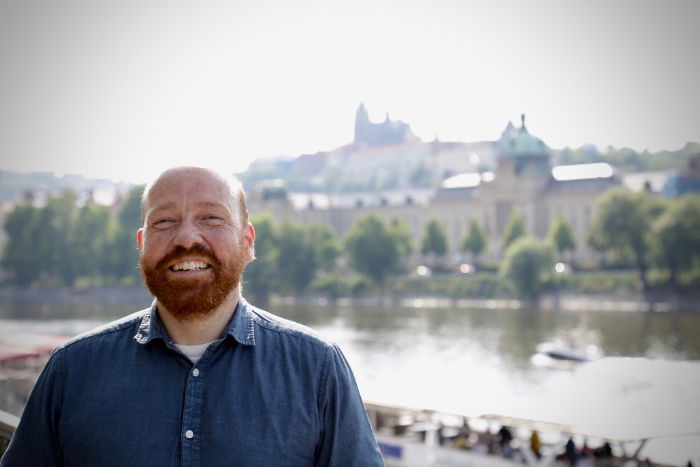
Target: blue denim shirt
(269, 392)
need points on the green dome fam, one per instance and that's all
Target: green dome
(518, 142)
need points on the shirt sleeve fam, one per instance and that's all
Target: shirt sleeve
(346, 435)
(35, 441)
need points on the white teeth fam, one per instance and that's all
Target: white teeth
(189, 265)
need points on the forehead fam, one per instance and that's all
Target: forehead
(188, 189)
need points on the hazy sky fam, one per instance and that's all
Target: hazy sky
(121, 89)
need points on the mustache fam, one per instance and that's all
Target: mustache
(181, 252)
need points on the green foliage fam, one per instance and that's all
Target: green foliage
(480, 285)
(289, 257)
(402, 236)
(622, 223)
(122, 256)
(514, 229)
(61, 243)
(528, 265)
(88, 245)
(326, 248)
(331, 285)
(22, 258)
(623, 285)
(561, 235)
(629, 160)
(689, 281)
(260, 277)
(434, 239)
(677, 232)
(359, 285)
(475, 240)
(372, 248)
(55, 237)
(296, 260)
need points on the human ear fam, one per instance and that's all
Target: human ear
(249, 240)
(250, 234)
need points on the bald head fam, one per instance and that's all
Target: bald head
(232, 187)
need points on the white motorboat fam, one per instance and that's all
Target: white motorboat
(561, 353)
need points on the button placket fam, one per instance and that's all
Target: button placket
(192, 414)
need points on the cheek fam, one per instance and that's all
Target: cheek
(247, 251)
(151, 249)
(231, 244)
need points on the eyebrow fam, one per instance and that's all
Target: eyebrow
(171, 204)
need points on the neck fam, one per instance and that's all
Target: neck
(200, 329)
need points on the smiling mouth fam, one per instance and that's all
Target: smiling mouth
(189, 266)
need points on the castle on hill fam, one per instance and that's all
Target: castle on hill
(456, 182)
(379, 134)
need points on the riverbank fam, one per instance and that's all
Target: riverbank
(548, 302)
(137, 296)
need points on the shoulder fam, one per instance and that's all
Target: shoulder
(300, 344)
(269, 323)
(107, 331)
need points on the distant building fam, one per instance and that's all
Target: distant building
(379, 134)
(369, 162)
(646, 181)
(685, 181)
(524, 181)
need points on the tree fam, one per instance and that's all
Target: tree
(21, 257)
(325, 245)
(261, 276)
(622, 223)
(677, 231)
(297, 261)
(402, 235)
(372, 249)
(434, 241)
(122, 257)
(54, 238)
(475, 240)
(562, 235)
(89, 240)
(528, 265)
(514, 229)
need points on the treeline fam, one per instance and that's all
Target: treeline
(629, 160)
(62, 243)
(657, 237)
(293, 257)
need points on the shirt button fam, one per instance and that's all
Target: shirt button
(189, 434)
(195, 372)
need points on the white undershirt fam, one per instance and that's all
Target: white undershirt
(193, 352)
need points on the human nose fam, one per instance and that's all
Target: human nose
(187, 235)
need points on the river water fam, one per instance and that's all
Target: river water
(480, 361)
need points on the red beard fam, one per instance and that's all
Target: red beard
(189, 298)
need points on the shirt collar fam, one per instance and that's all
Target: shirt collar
(241, 326)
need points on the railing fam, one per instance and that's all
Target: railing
(8, 424)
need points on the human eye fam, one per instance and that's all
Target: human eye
(162, 223)
(213, 219)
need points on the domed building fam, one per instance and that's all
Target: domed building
(524, 182)
(522, 154)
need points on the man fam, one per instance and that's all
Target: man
(201, 378)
